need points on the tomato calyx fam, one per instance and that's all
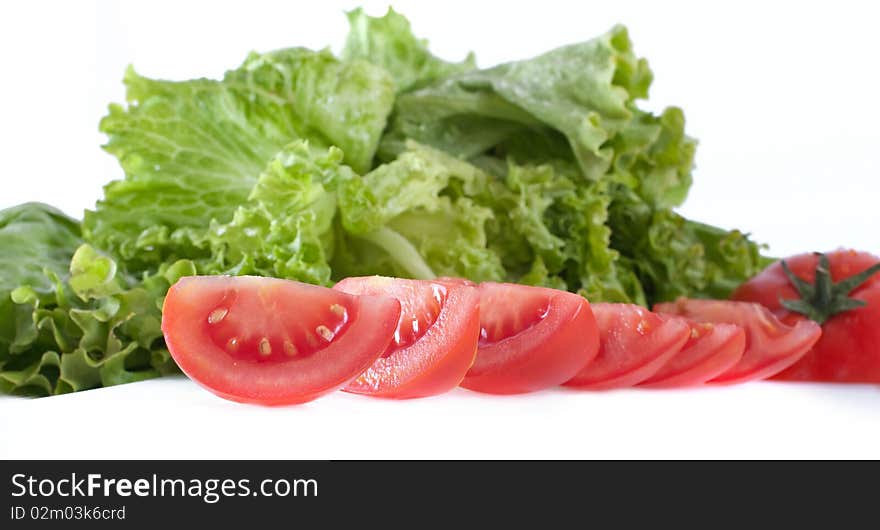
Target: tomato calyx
(824, 298)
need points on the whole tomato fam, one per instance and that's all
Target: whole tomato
(839, 290)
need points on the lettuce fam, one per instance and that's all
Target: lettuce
(399, 220)
(285, 227)
(73, 321)
(572, 103)
(389, 42)
(34, 238)
(575, 245)
(590, 179)
(428, 214)
(673, 256)
(192, 150)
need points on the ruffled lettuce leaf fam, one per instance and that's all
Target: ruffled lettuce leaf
(388, 42)
(550, 229)
(563, 132)
(576, 102)
(95, 327)
(654, 157)
(71, 324)
(673, 256)
(429, 214)
(396, 220)
(340, 103)
(574, 89)
(33, 237)
(192, 150)
(285, 228)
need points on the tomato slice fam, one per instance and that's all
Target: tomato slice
(634, 344)
(711, 350)
(435, 340)
(771, 346)
(271, 341)
(531, 338)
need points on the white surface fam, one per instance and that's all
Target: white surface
(781, 95)
(174, 418)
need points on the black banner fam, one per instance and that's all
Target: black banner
(388, 494)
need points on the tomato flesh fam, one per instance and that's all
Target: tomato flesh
(435, 340)
(531, 338)
(284, 331)
(711, 350)
(771, 345)
(271, 341)
(634, 344)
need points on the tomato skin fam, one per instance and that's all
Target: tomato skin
(849, 349)
(634, 344)
(188, 305)
(436, 362)
(771, 345)
(711, 350)
(546, 354)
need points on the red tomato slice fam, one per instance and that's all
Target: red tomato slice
(771, 346)
(711, 350)
(634, 344)
(531, 338)
(271, 341)
(435, 341)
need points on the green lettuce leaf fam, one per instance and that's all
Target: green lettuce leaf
(388, 42)
(550, 229)
(654, 157)
(80, 322)
(429, 214)
(673, 256)
(398, 221)
(575, 103)
(95, 327)
(285, 228)
(575, 89)
(34, 238)
(192, 150)
(327, 101)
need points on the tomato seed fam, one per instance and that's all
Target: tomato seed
(217, 315)
(324, 332)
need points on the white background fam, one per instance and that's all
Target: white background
(782, 96)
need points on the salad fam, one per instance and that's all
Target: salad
(386, 160)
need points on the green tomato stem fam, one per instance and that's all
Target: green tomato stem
(823, 298)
